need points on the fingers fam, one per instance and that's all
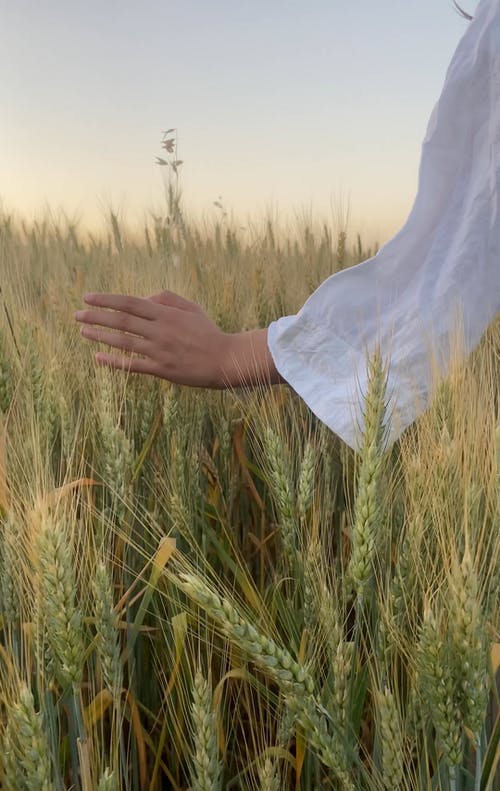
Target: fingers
(135, 306)
(129, 343)
(172, 300)
(134, 365)
(116, 320)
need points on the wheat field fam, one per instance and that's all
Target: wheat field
(207, 589)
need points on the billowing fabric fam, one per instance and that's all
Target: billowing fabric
(443, 265)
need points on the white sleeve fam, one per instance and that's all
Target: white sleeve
(444, 264)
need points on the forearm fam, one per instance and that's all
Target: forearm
(247, 361)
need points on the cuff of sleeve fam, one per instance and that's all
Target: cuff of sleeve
(330, 376)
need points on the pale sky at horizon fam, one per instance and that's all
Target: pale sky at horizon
(278, 105)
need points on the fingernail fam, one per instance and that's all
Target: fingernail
(88, 297)
(78, 314)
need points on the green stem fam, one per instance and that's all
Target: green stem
(50, 719)
(490, 752)
(123, 761)
(159, 750)
(73, 736)
(77, 712)
(477, 777)
(77, 734)
(118, 747)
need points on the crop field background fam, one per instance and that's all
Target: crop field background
(207, 589)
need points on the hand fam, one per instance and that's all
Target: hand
(178, 341)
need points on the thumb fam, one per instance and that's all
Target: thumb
(172, 300)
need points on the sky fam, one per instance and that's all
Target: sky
(281, 107)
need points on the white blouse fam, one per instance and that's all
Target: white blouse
(443, 264)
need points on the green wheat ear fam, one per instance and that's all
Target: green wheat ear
(469, 635)
(269, 776)
(391, 739)
(116, 449)
(25, 757)
(438, 685)
(108, 781)
(108, 645)
(10, 584)
(207, 768)
(60, 618)
(293, 678)
(368, 505)
(281, 486)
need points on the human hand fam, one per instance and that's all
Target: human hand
(178, 341)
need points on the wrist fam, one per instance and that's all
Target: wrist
(247, 361)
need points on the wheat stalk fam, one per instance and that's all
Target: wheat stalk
(342, 668)
(269, 776)
(404, 581)
(106, 626)
(62, 622)
(276, 661)
(368, 505)
(305, 484)
(10, 593)
(293, 678)
(311, 570)
(439, 687)
(207, 768)
(116, 450)
(391, 739)
(26, 755)
(108, 781)
(470, 637)
(279, 482)
(41, 390)
(327, 742)
(179, 509)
